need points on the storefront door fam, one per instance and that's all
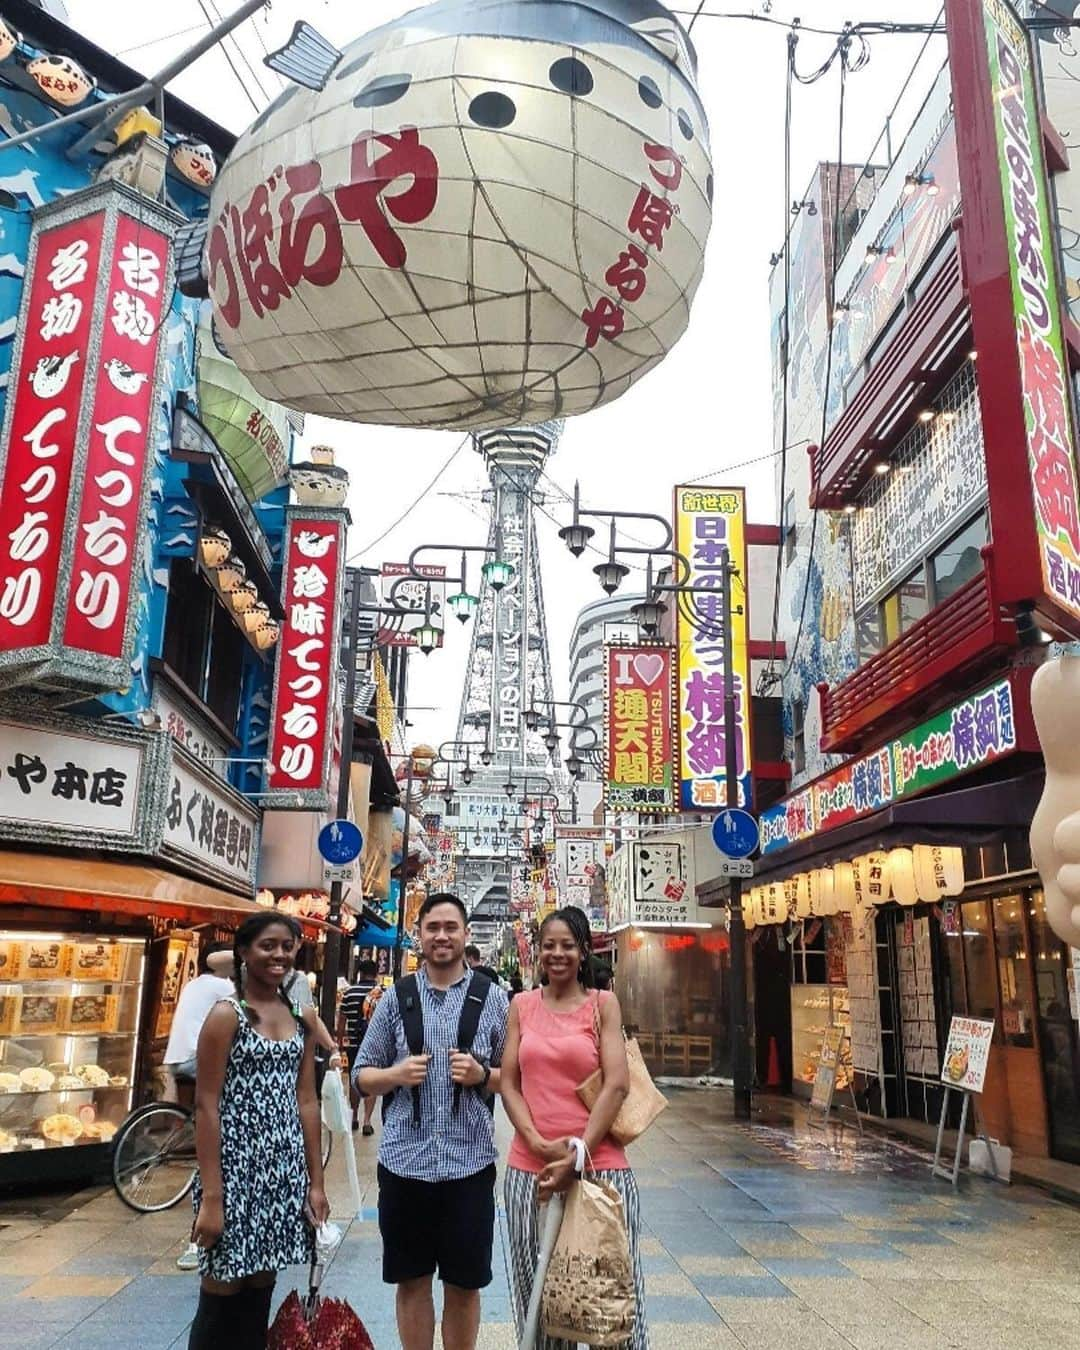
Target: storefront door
(1057, 1033)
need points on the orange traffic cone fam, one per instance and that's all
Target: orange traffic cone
(774, 1080)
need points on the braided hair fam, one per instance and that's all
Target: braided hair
(246, 934)
(578, 923)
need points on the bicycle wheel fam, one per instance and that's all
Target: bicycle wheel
(326, 1140)
(153, 1162)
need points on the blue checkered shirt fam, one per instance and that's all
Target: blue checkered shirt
(445, 1146)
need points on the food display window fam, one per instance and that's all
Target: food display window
(69, 1016)
(815, 1008)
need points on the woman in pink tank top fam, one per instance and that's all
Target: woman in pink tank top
(557, 1036)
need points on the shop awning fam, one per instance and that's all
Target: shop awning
(956, 817)
(61, 881)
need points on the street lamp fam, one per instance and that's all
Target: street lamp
(509, 787)
(575, 765)
(427, 637)
(551, 741)
(497, 572)
(576, 536)
(463, 605)
(486, 757)
(648, 614)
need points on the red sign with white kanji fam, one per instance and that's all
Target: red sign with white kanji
(47, 387)
(305, 686)
(106, 538)
(639, 729)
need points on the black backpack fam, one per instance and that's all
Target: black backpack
(412, 1023)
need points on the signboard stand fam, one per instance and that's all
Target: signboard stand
(967, 1052)
(821, 1097)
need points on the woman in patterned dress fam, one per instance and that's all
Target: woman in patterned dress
(259, 1191)
(557, 1036)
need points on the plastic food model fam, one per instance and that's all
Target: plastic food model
(1055, 828)
(492, 213)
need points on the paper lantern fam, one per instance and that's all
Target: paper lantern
(749, 918)
(843, 887)
(214, 547)
(775, 905)
(256, 616)
(243, 596)
(901, 869)
(803, 907)
(230, 574)
(195, 161)
(822, 900)
(267, 635)
(791, 896)
(493, 214)
(63, 79)
(9, 40)
(939, 871)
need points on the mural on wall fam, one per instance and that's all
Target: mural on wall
(819, 564)
(1058, 53)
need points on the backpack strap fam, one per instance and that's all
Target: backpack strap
(412, 1023)
(469, 1022)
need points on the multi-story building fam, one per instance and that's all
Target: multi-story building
(924, 352)
(606, 619)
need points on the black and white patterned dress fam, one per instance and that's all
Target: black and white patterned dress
(264, 1172)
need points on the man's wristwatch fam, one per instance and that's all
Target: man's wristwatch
(483, 1083)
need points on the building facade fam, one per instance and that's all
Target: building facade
(925, 352)
(606, 619)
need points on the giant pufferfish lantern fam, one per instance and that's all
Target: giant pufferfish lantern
(489, 212)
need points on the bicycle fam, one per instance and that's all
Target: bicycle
(153, 1156)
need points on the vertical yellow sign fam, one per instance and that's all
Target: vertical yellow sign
(710, 523)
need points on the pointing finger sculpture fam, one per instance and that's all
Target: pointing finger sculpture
(494, 212)
(1055, 829)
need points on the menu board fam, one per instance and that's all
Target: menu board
(967, 1052)
(918, 1019)
(864, 1004)
(828, 1064)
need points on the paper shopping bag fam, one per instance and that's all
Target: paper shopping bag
(589, 1290)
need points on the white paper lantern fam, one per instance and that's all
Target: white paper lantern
(494, 214)
(939, 871)
(62, 79)
(9, 40)
(901, 868)
(749, 917)
(822, 901)
(776, 899)
(843, 887)
(195, 160)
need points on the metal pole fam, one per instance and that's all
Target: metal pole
(332, 952)
(740, 1029)
(398, 953)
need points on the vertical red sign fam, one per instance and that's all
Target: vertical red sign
(639, 728)
(106, 539)
(46, 387)
(302, 723)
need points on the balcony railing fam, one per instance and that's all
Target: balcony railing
(959, 633)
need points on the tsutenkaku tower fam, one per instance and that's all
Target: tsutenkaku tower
(509, 662)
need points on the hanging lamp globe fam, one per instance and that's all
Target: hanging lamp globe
(463, 605)
(498, 573)
(490, 214)
(428, 637)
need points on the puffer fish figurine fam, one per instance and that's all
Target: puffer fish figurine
(485, 213)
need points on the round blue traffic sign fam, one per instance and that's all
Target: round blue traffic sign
(340, 842)
(735, 832)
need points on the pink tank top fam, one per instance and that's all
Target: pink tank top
(557, 1052)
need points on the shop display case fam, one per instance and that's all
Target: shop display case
(70, 1006)
(814, 1008)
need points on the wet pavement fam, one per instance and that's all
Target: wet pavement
(765, 1235)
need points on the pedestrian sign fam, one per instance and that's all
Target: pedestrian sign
(735, 832)
(340, 842)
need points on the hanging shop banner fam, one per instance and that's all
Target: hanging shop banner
(1011, 278)
(73, 454)
(967, 1053)
(638, 728)
(305, 687)
(213, 830)
(424, 599)
(973, 733)
(660, 890)
(709, 521)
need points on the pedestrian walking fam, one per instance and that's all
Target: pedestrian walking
(558, 1035)
(434, 1046)
(351, 1026)
(259, 1191)
(475, 961)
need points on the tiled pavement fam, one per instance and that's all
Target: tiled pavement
(764, 1236)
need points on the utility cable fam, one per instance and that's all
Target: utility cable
(416, 502)
(232, 64)
(241, 53)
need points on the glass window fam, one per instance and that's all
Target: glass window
(798, 731)
(979, 961)
(1057, 1032)
(868, 632)
(1014, 970)
(890, 618)
(959, 560)
(914, 599)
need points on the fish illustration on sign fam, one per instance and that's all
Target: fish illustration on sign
(483, 213)
(123, 378)
(51, 374)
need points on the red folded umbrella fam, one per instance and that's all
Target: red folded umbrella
(316, 1323)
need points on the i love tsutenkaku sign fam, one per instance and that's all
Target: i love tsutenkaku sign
(639, 766)
(76, 444)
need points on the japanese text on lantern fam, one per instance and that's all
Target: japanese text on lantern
(290, 229)
(106, 541)
(1043, 368)
(709, 522)
(307, 659)
(639, 773)
(47, 391)
(648, 222)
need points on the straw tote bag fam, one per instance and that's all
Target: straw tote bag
(644, 1101)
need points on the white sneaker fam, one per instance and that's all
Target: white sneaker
(188, 1260)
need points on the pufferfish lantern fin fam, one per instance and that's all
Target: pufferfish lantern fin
(190, 252)
(307, 58)
(669, 40)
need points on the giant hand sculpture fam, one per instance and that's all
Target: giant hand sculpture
(1055, 829)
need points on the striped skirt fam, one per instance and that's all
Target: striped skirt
(521, 1219)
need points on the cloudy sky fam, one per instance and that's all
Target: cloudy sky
(706, 412)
